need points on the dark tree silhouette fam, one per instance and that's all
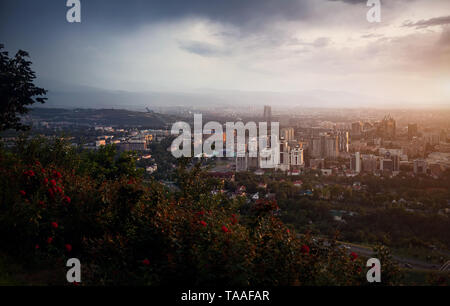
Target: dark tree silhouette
(16, 89)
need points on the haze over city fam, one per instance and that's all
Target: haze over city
(317, 53)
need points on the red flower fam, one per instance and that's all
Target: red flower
(45, 181)
(49, 240)
(58, 175)
(67, 199)
(233, 219)
(353, 255)
(304, 249)
(146, 262)
(37, 246)
(51, 193)
(225, 229)
(53, 182)
(68, 247)
(54, 225)
(29, 173)
(59, 189)
(22, 192)
(203, 223)
(288, 231)
(200, 213)
(41, 203)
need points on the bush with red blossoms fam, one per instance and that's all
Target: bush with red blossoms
(95, 206)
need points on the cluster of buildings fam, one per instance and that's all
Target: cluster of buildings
(394, 162)
(133, 140)
(360, 147)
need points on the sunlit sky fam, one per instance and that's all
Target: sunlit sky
(246, 45)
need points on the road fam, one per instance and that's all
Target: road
(415, 264)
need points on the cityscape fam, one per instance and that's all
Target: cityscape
(195, 144)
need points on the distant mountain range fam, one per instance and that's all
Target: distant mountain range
(89, 97)
(102, 117)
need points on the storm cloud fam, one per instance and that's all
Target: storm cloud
(244, 45)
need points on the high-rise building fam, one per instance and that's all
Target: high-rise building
(395, 163)
(355, 162)
(386, 165)
(315, 146)
(287, 133)
(387, 127)
(331, 147)
(241, 163)
(412, 131)
(253, 161)
(324, 146)
(432, 138)
(369, 163)
(390, 162)
(343, 137)
(284, 155)
(420, 166)
(267, 113)
(296, 157)
(356, 128)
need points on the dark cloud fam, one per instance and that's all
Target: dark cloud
(40, 21)
(202, 48)
(129, 13)
(438, 21)
(352, 1)
(236, 12)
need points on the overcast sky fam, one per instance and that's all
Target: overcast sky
(247, 45)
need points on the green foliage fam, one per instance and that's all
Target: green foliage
(58, 202)
(16, 89)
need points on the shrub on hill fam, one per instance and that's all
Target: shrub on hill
(57, 202)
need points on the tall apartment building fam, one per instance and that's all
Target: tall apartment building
(387, 127)
(412, 131)
(343, 141)
(288, 133)
(369, 163)
(355, 162)
(324, 146)
(267, 113)
(356, 128)
(390, 163)
(420, 166)
(296, 157)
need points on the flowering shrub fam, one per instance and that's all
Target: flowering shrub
(97, 208)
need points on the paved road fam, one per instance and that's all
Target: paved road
(415, 264)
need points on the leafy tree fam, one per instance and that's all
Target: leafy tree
(16, 89)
